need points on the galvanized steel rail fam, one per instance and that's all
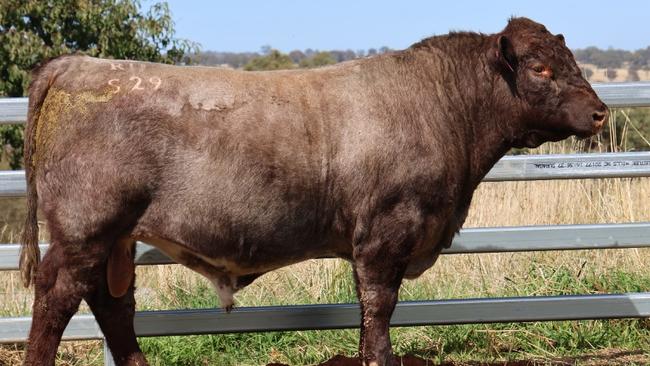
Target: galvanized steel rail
(13, 110)
(615, 95)
(472, 240)
(338, 316)
(509, 168)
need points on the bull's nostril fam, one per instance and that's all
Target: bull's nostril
(599, 117)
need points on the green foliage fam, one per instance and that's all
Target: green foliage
(273, 60)
(34, 30)
(276, 60)
(317, 60)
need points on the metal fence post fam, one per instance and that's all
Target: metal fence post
(108, 357)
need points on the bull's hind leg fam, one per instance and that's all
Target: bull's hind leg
(75, 268)
(67, 274)
(113, 304)
(115, 317)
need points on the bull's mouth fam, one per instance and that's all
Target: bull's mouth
(534, 138)
(589, 132)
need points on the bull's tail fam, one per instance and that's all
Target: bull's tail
(30, 254)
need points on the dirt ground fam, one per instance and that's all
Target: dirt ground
(610, 357)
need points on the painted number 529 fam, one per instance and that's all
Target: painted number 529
(135, 83)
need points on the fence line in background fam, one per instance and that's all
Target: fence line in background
(615, 95)
(472, 240)
(509, 168)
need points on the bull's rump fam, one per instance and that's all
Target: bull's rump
(229, 164)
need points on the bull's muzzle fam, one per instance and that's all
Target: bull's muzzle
(599, 117)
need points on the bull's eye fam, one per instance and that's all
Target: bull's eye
(543, 71)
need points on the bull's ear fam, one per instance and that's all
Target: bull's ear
(560, 37)
(506, 54)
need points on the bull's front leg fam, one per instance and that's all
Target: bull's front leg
(377, 296)
(379, 265)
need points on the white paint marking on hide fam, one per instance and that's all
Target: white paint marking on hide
(115, 66)
(138, 81)
(155, 81)
(113, 83)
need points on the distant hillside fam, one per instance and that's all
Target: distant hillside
(596, 74)
(613, 58)
(614, 65)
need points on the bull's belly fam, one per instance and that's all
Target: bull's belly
(228, 273)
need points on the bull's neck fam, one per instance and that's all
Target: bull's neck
(479, 101)
(495, 124)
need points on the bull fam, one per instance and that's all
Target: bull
(234, 174)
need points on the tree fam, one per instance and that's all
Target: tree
(633, 74)
(319, 59)
(297, 56)
(33, 30)
(587, 72)
(266, 50)
(274, 60)
(610, 74)
(384, 49)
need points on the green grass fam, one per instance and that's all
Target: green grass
(477, 342)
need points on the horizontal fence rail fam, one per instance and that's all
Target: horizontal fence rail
(470, 240)
(509, 168)
(570, 166)
(13, 110)
(339, 316)
(615, 95)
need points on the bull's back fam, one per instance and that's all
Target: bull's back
(231, 162)
(291, 108)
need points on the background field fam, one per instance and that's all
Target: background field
(454, 276)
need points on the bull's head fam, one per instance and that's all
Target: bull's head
(556, 100)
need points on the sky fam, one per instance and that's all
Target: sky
(248, 25)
